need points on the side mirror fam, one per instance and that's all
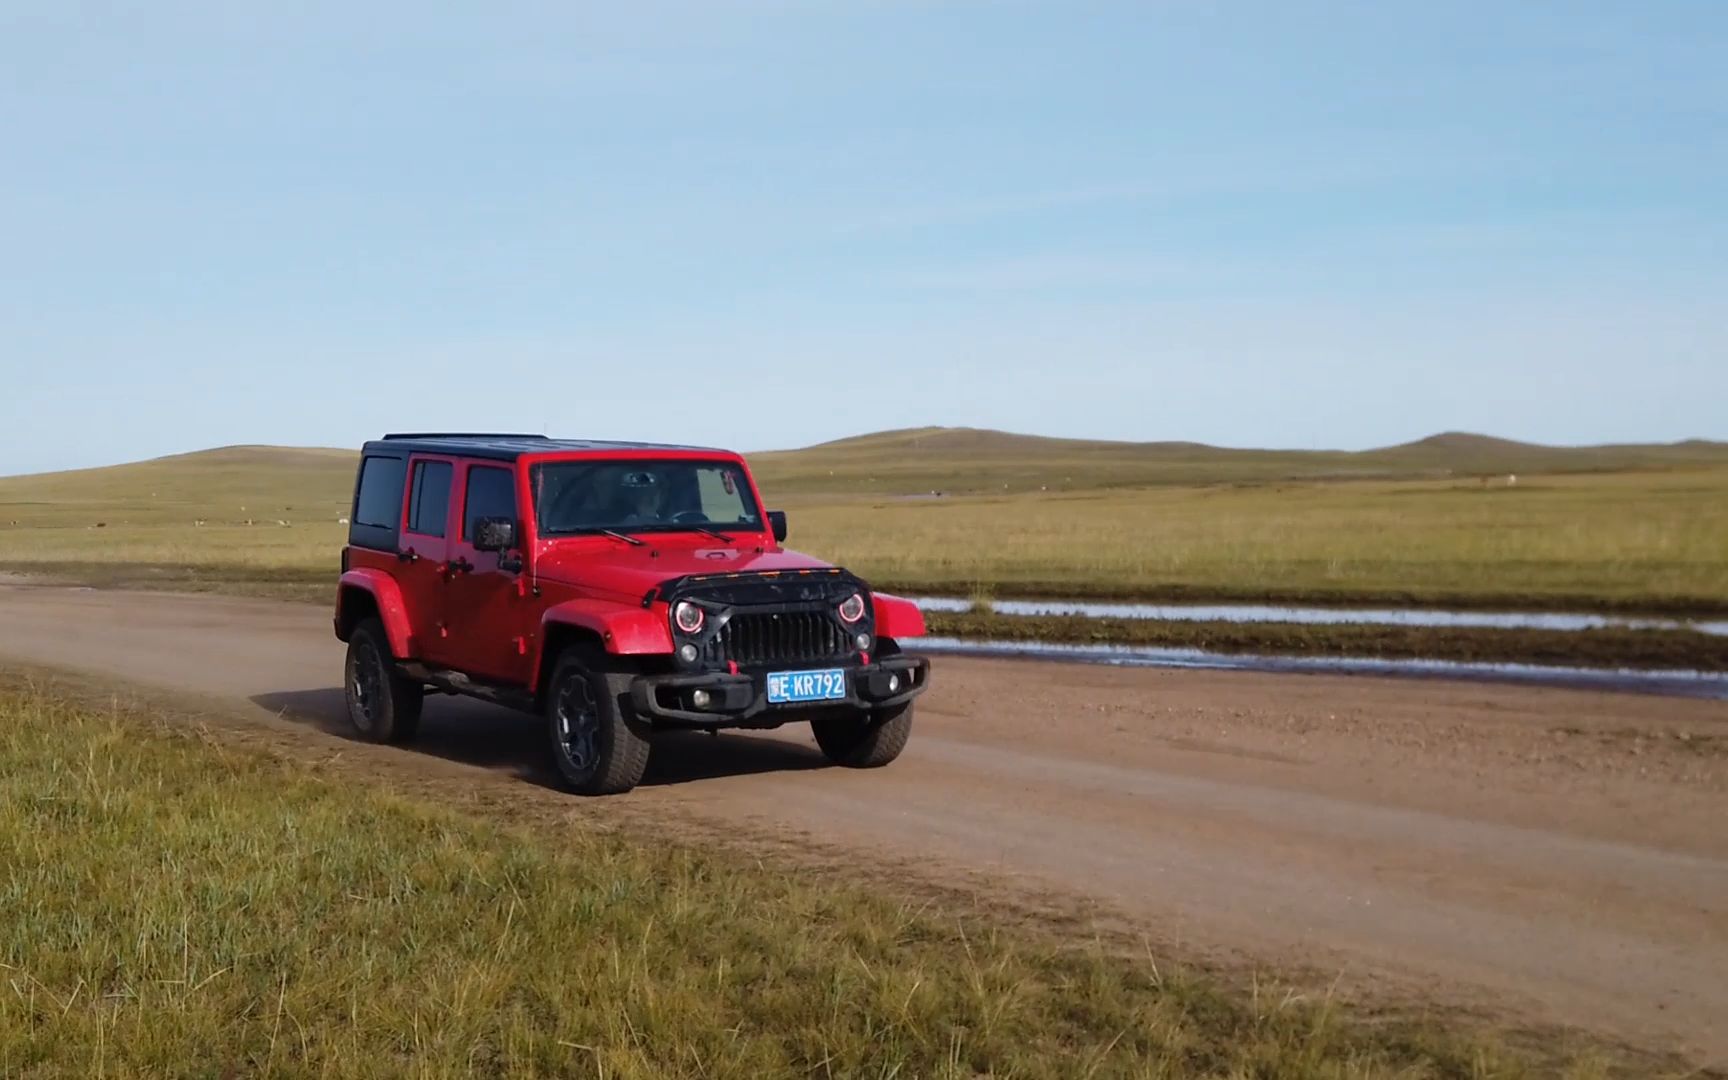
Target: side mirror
(777, 522)
(494, 534)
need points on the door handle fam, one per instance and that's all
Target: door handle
(407, 556)
(460, 566)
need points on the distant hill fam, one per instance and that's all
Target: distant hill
(981, 441)
(227, 484)
(222, 456)
(1465, 444)
(288, 482)
(1461, 452)
(923, 460)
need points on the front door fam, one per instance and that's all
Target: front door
(424, 551)
(487, 611)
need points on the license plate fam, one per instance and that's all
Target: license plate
(788, 687)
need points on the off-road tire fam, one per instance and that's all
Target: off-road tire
(598, 746)
(383, 704)
(864, 740)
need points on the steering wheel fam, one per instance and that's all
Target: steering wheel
(690, 517)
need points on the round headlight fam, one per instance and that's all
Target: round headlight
(688, 617)
(852, 608)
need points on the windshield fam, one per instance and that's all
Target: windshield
(642, 496)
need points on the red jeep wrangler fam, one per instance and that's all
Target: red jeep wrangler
(615, 588)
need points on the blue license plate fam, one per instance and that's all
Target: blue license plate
(789, 687)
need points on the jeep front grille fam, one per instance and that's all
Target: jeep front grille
(755, 639)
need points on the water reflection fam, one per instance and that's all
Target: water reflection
(1257, 613)
(1699, 684)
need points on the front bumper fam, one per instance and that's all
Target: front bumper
(741, 700)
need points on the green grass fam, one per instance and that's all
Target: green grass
(1647, 537)
(174, 904)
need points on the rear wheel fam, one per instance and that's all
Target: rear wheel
(383, 705)
(598, 748)
(864, 740)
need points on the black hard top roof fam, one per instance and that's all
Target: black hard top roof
(506, 447)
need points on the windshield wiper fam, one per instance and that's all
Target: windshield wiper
(631, 540)
(720, 536)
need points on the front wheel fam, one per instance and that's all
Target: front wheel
(864, 740)
(597, 748)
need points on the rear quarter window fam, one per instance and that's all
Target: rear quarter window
(377, 502)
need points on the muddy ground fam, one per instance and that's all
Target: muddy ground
(1539, 855)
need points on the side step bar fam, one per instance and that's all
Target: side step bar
(456, 682)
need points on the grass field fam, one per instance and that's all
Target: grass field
(173, 904)
(1652, 541)
(1649, 536)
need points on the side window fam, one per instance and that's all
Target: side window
(429, 507)
(491, 493)
(378, 498)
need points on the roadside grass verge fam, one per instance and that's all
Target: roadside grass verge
(1674, 650)
(171, 903)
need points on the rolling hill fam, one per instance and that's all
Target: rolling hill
(274, 481)
(230, 483)
(922, 460)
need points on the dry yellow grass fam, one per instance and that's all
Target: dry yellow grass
(1654, 539)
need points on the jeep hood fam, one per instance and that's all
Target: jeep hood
(613, 569)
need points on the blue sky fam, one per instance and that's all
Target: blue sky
(765, 224)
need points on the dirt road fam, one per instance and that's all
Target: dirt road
(1551, 855)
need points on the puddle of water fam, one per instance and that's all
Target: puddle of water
(1698, 684)
(1256, 613)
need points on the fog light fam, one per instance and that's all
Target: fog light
(701, 699)
(893, 684)
(863, 641)
(687, 654)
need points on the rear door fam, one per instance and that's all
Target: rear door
(424, 548)
(487, 611)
